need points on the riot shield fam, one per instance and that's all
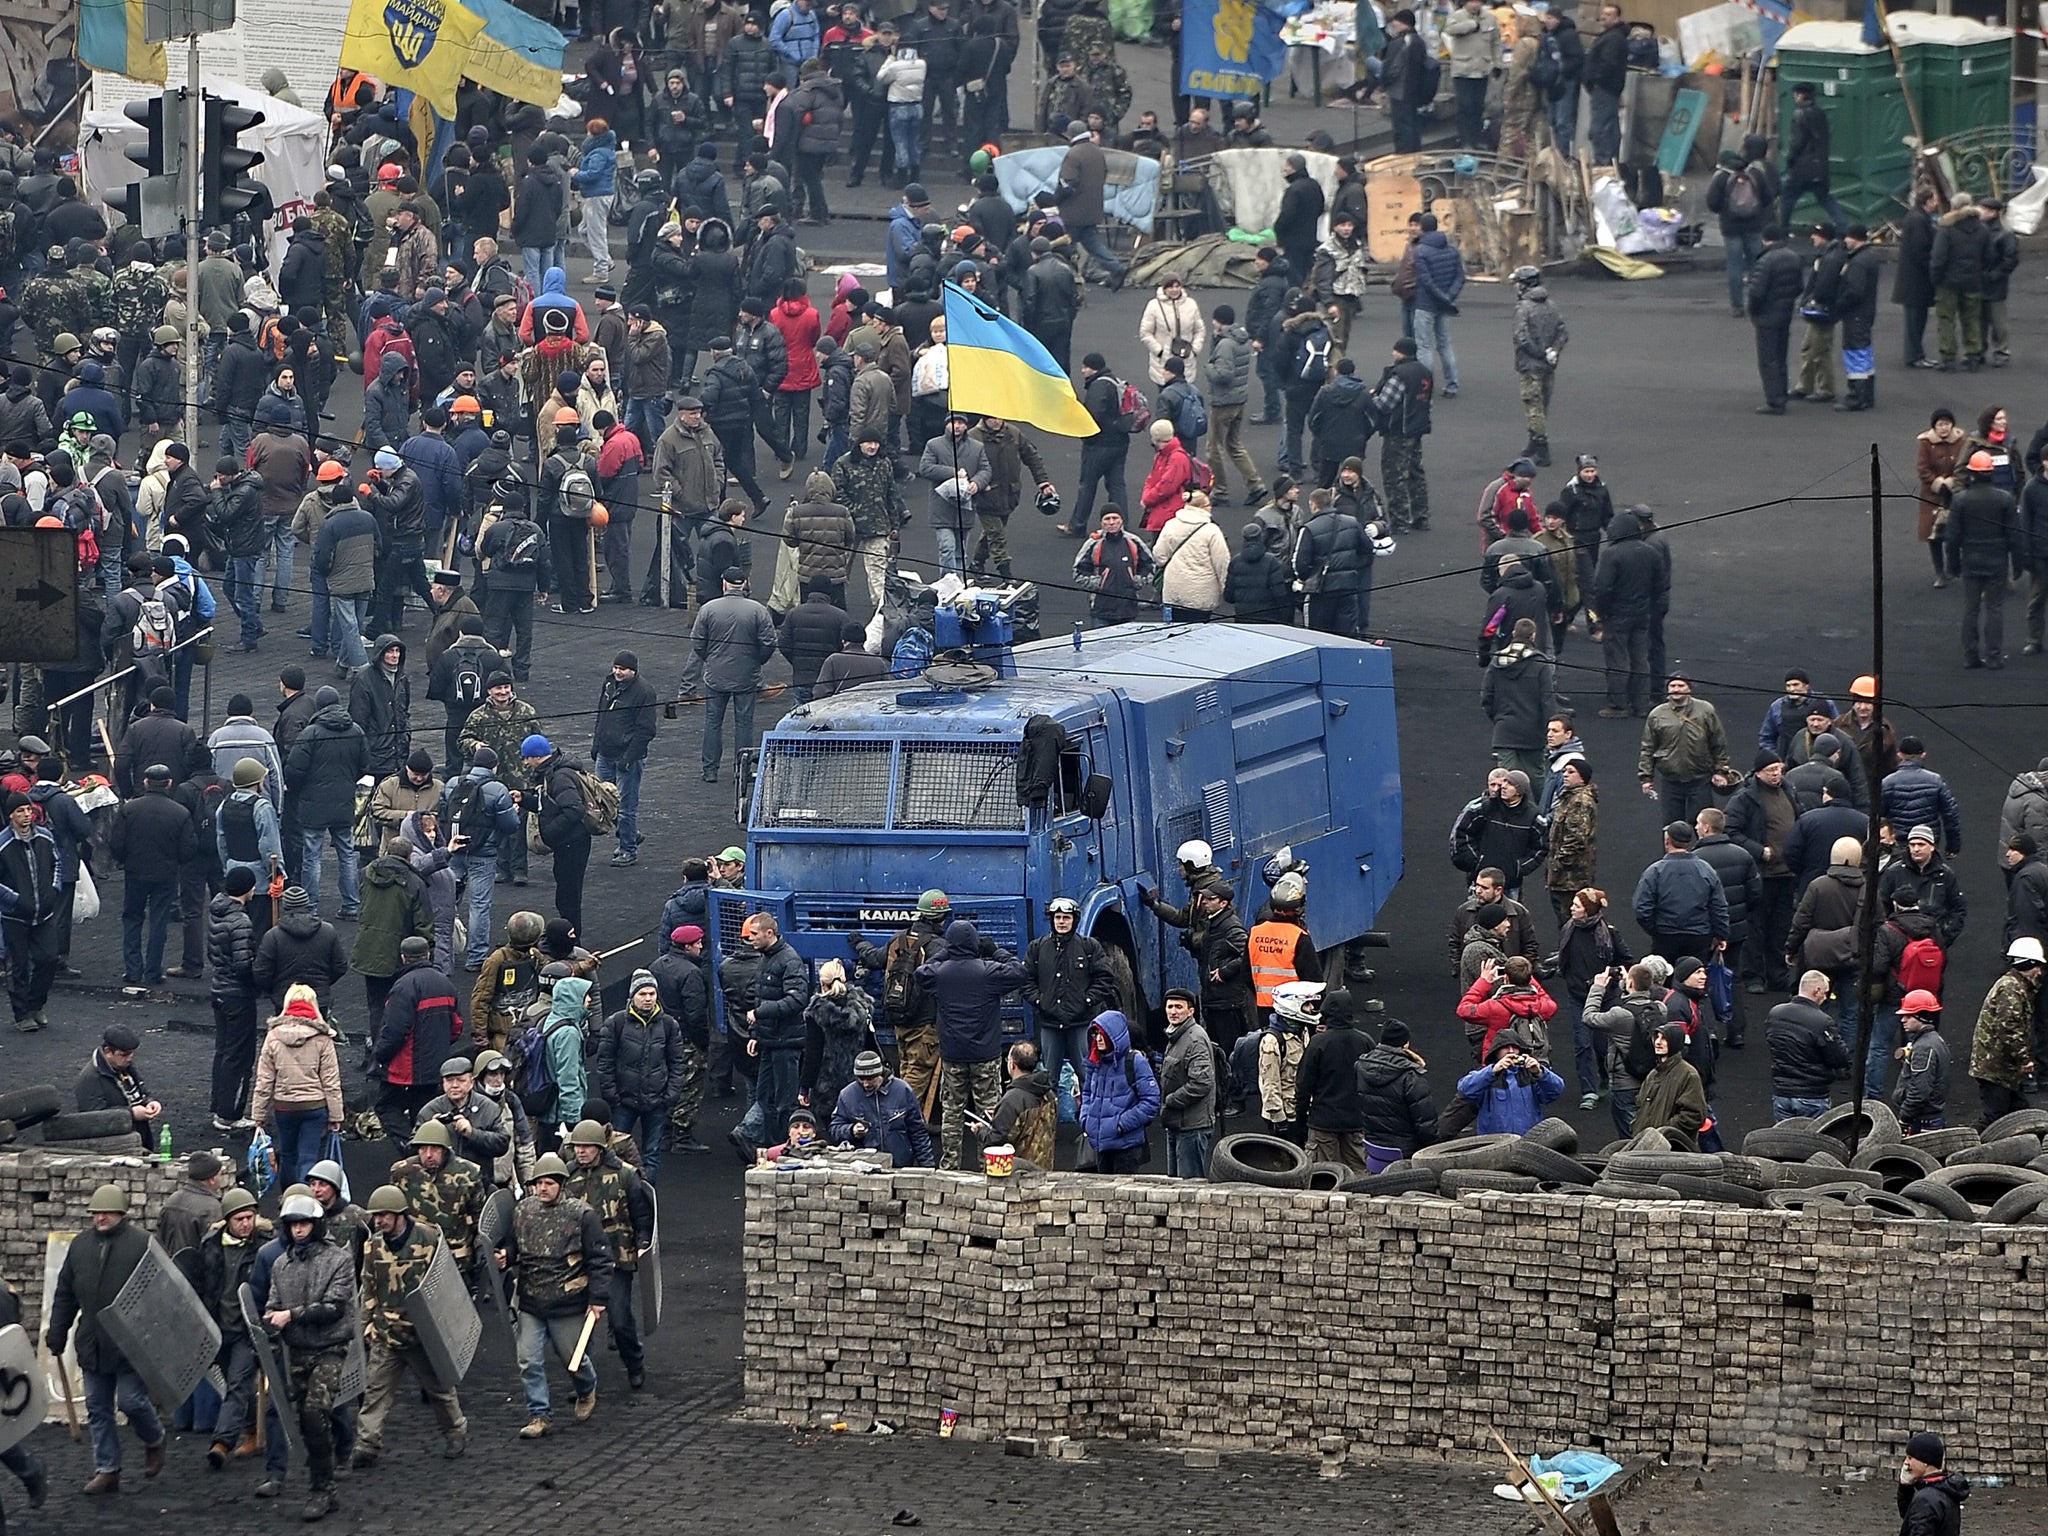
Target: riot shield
(162, 1328)
(23, 1400)
(355, 1368)
(445, 1319)
(270, 1361)
(647, 1280)
(493, 1229)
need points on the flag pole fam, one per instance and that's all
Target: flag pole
(1884, 25)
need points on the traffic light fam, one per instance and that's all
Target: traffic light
(226, 190)
(151, 204)
(150, 113)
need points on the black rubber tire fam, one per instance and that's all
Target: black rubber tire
(1803, 1200)
(1882, 1125)
(2013, 1151)
(1845, 1189)
(2015, 1205)
(1890, 1206)
(88, 1125)
(1486, 1153)
(1939, 1197)
(1946, 1142)
(1808, 1176)
(1548, 1166)
(1400, 1179)
(1786, 1146)
(7, 1132)
(1796, 1123)
(1897, 1163)
(31, 1106)
(1749, 1172)
(1827, 1160)
(1649, 1167)
(1982, 1183)
(1613, 1147)
(1654, 1140)
(2040, 1164)
(2020, 1122)
(1558, 1135)
(1608, 1190)
(1274, 1163)
(1327, 1176)
(94, 1146)
(1719, 1191)
(1471, 1181)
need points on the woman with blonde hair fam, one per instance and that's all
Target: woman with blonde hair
(297, 1097)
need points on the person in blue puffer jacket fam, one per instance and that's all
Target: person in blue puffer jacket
(1511, 1089)
(596, 179)
(1119, 1096)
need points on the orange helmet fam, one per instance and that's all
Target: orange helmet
(49, 522)
(1980, 463)
(1920, 1000)
(963, 234)
(600, 515)
(331, 471)
(1865, 687)
(568, 416)
(465, 405)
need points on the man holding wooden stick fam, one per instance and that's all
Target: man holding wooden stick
(563, 1266)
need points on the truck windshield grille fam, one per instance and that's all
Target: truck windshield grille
(971, 787)
(851, 783)
(825, 784)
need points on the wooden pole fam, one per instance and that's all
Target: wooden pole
(582, 1342)
(1884, 23)
(1866, 921)
(70, 1398)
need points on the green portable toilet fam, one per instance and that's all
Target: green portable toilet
(1959, 70)
(1869, 162)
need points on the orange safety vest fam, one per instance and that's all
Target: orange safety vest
(1271, 949)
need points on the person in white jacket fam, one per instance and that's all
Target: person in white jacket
(1194, 559)
(1172, 327)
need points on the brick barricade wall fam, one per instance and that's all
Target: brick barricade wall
(42, 1193)
(1251, 1319)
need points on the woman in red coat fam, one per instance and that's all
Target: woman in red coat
(1171, 478)
(794, 316)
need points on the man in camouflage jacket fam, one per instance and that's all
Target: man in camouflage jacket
(563, 1261)
(2002, 1050)
(442, 1189)
(625, 1204)
(395, 1261)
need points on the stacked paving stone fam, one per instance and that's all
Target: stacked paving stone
(42, 1193)
(1243, 1318)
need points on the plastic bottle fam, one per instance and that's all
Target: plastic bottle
(163, 1143)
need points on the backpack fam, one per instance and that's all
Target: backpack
(1548, 67)
(270, 340)
(533, 1079)
(1192, 419)
(1200, 476)
(522, 290)
(1312, 357)
(600, 802)
(1430, 76)
(238, 827)
(902, 995)
(522, 544)
(576, 493)
(150, 640)
(466, 808)
(1640, 1059)
(1133, 414)
(1920, 964)
(1741, 201)
(469, 680)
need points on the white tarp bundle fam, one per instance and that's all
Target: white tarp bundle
(292, 140)
(1253, 179)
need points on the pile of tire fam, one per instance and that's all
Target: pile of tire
(40, 1110)
(1955, 1174)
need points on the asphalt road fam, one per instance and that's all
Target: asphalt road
(1769, 524)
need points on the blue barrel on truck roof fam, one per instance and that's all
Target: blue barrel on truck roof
(1080, 776)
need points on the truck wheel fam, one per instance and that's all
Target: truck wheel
(89, 1125)
(1329, 1176)
(31, 1106)
(1879, 1124)
(1131, 1000)
(1251, 1157)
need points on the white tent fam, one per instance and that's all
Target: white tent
(293, 142)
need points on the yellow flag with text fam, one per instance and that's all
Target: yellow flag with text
(412, 45)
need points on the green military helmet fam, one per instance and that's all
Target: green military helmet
(525, 927)
(66, 342)
(236, 1199)
(108, 1200)
(549, 1166)
(388, 1200)
(934, 903)
(248, 773)
(294, 1189)
(165, 335)
(434, 1134)
(327, 1171)
(588, 1133)
(488, 1061)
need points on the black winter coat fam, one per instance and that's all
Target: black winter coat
(1775, 283)
(1983, 532)
(1962, 252)
(238, 516)
(1394, 1100)
(1631, 581)
(641, 1061)
(300, 947)
(1856, 296)
(1069, 979)
(96, 1266)
(230, 947)
(1807, 1055)
(1333, 547)
(153, 838)
(1741, 880)
(1327, 1094)
(1912, 283)
(1259, 587)
(325, 763)
(625, 720)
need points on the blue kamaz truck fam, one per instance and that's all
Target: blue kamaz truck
(1077, 768)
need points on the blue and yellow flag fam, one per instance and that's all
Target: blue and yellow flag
(998, 368)
(517, 55)
(420, 46)
(112, 38)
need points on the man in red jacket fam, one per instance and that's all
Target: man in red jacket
(797, 319)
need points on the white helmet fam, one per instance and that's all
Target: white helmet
(1300, 1001)
(2024, 950)
(1196, 852)
(1290, 890)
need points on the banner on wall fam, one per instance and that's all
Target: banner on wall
(1232, 48)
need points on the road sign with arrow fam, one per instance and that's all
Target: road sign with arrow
(38, 594)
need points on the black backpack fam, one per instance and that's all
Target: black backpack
(469, 679)
(1640, 1059)
(466, 808)
(521, 546)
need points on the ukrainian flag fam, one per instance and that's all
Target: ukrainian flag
(998, 368)
(420, 46)
(516, 54)
(112, 38)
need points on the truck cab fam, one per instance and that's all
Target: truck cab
(1080, 775)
